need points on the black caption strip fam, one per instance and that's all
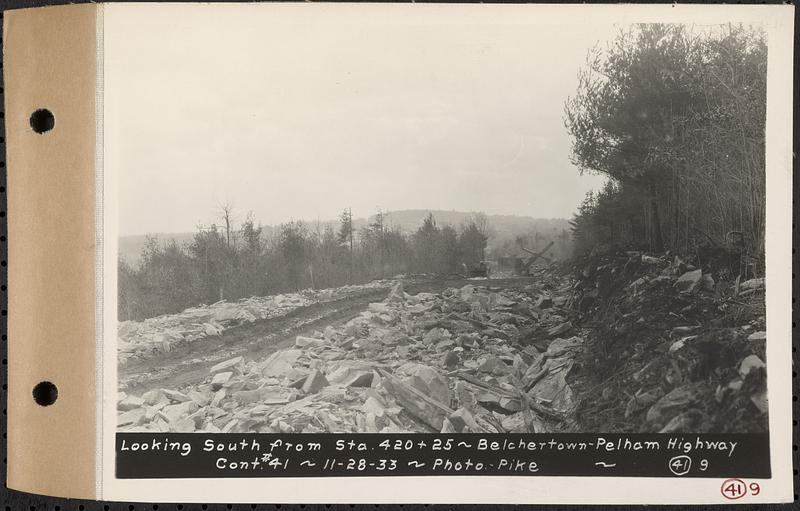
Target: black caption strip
(197, 455)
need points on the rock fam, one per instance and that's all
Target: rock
(511, 404)
(735, 384)
(315, 382)
(760, 400)
(641, 400)
(379, 308)
(514, 423)
(133, 417)
(489, 364)
(359, 379)
(681, 423)
(688, 282)
(211, 330)
(672, 404)
(451, 359)
(752, 284)
(680, 343)
(467, 293)
(129, 403)
(463, 421)
(652, 260)
(749, 363)
(280, 363)
(183, 426)
(559, 329)
(464, 396)
(757, 336)
(396, 294)
(265, 395)
(218, 397)
(220, 379)
(175, 395)
(555, 390)
(228, 364)
(560, 347)
(428, 381)
(416, 403)
(443, 345)
(152, 397)
(447, 426)
(372, 405)
(435, 335)
(200, 399)
(682, 330)
(178, 411)
(308, 342)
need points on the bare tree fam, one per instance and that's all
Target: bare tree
(226, 215)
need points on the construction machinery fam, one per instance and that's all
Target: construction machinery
(525, 266)
(481, 269)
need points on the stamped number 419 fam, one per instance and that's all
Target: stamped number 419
(733, 489)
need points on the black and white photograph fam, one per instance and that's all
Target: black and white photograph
(421, 228)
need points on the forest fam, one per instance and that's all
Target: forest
(229, 262)
(675, 119)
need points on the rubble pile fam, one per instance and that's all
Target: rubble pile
(468, 359)
(143, 339)
(673, 348)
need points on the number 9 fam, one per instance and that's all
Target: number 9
(755, 488)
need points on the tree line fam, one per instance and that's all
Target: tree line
(226, 262)
(676, 120)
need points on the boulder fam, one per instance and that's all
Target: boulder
(315, 382)
(280, 363)
(133, 417)
(672, 404)
(396, 294)
(749, 363)
(428, 381)
(308, 342)
(689, 281)
(129, 403)
(151, 397)
(228, 364)
(451, 359)
(178, 411)
(220, 379)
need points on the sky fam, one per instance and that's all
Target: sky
(297, 114)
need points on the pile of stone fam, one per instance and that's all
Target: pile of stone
(469, 359)
(144, 339)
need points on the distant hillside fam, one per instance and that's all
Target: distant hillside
(503, 229)
(130, 247)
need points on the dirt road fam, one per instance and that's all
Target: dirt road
(189, 363)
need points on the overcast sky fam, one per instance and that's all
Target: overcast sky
(298, 117)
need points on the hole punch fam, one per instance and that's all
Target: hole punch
(42, 121)
(45, 393)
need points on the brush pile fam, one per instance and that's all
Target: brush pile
(674, 348)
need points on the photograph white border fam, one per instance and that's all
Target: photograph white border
(777, 21)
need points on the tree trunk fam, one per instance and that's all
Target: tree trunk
(658, 240)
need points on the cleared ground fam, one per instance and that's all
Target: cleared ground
(189, 363)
